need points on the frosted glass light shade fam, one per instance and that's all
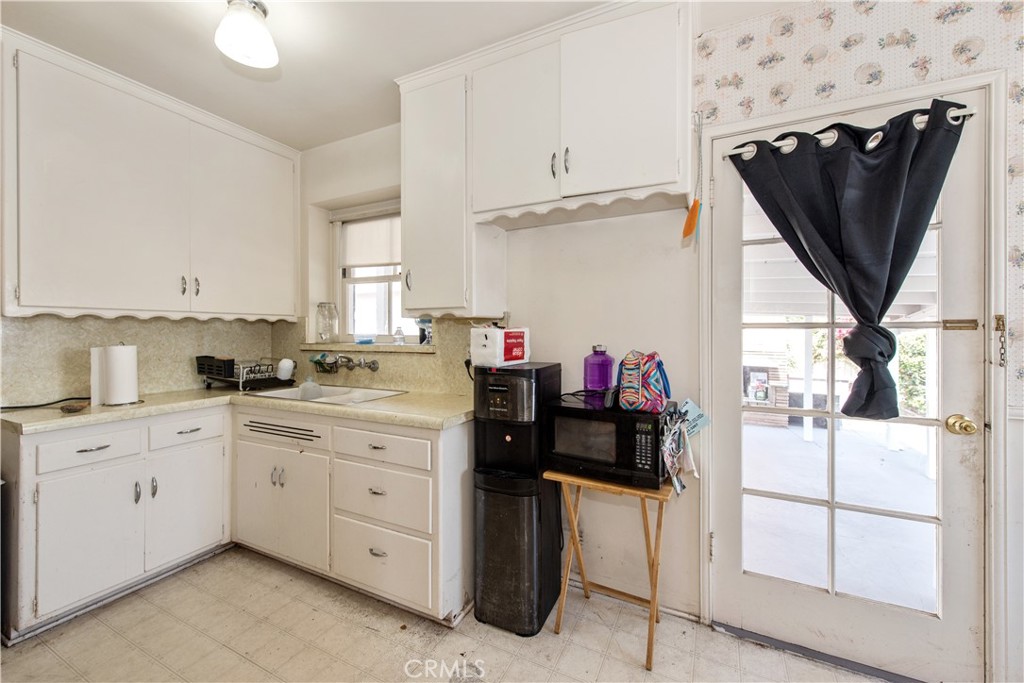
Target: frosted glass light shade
(243, 35)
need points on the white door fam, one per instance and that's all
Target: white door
(620, 103)
(241, 204)
(102, 216)
(304, 482)
(184, 491)
(516, 159)
(434, 239)
(860, 539)
(89, 530)
(257, 499)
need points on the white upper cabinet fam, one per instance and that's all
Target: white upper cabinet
(101, 177)
(434, 236)
(597, 111)
(516, 153)
(243, 247)
(620, 97)
(121, 201)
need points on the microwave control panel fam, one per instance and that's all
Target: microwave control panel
(644, 458)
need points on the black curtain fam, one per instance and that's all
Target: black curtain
(855, 215)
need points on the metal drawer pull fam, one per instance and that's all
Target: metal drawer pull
(93, 449)
(565, 158)
(280, 478)
(189, 431)
(138, 493)
(378, 553)
(153, 487)
(184, 285)
(375, 447)
(408, 279)
(377, 492)
(273, 477)
(554, 164)
(197, 286)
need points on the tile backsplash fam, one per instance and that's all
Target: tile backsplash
(46, 357)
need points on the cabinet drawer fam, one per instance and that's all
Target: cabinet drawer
(185, 431)
(393, 497)
(398, 450)
(86, 450)
(384, 560)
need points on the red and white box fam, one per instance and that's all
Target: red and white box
(494, 347)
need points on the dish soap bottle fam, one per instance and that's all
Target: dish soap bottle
(310, 390)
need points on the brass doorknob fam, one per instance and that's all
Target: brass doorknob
(959, 424)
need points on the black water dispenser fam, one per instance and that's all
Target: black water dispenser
(518, 515)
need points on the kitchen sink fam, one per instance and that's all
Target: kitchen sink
(336, 395)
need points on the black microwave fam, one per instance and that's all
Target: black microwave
(608, 444)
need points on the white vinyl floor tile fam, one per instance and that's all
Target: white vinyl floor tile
(240, 616)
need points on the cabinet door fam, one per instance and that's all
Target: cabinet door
(516, 157)
(184, 492)
(102, 177)
(434, 239)
(90, 529)
(242, 227)
(620, 103)
(257, 499)
(304, 483)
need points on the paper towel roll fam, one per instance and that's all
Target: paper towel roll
(117, 375)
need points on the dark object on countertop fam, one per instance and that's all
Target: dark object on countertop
(47, 405)
(74, 407)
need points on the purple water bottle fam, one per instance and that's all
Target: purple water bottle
(597, 373)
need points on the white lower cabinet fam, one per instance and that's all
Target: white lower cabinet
(90, 534)
(402, 522)
(92, 511)
(282, 502)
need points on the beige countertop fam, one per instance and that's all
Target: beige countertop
(412, 409)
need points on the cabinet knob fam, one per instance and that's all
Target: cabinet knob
(554, 164)
(378, 553)
(138, 493)
(153, 487)
(565, 159)
(273, 477)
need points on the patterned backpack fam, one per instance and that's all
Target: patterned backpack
(643, 384)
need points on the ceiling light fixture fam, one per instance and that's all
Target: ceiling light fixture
(243, 35)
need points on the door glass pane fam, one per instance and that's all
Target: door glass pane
(918, 298)
(785, 368)
(777, 287)
(886, 465)
(886, 559)
(915, 369)
(782, 454)
(786, 540)
(756, 225)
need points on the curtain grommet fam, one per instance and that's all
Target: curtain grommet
(956, 117)
(748, 152)
(787, 144)
(921, 120)
(873, 141)
(833, 137)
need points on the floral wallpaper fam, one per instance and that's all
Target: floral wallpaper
(828, 51)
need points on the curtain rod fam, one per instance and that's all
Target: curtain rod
(827, 138)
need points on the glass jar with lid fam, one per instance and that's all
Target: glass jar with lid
(326, 322)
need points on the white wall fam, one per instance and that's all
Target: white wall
(359, 170)
(626, 283)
